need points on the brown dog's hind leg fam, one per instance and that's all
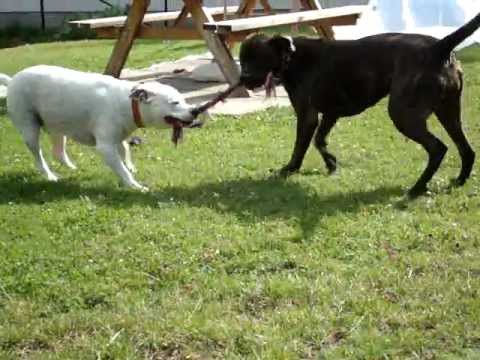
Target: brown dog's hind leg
(307, 122)
(327, 123)
(412, 122)
(449, 115)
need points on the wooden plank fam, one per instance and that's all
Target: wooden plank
(148, 32)
(167, 34)
(127, 36)
(216, 45)
(243, 24)
(162, 33)
(285, 19)
(119, 21)
(339, 21)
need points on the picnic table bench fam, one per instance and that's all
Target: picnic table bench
(110, 27)
(345, 15)
(212, 24)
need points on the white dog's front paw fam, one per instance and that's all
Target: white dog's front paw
(65, 161)
(138, 186)
(132, 168)
(70, 165)
(142, 188)
(52, 177)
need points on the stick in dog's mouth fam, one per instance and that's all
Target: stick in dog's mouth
(220, 97)
(269, 88)
(178, 125)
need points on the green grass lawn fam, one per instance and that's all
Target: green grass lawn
(220, 260)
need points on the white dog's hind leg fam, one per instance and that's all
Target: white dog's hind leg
(111, 155)
(126, 155)
(59, 150)
(31, 135)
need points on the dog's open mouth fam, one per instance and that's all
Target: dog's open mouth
(268, 83)
(178, 125)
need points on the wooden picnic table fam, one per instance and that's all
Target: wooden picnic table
(219, 27)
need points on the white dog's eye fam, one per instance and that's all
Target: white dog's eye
(174, 103)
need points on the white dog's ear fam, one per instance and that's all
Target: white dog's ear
(141, 95)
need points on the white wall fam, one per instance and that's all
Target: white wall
(23, 6)
(89, 5)
(52, 5)
(156, 5)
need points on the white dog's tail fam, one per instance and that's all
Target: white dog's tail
(4, 79)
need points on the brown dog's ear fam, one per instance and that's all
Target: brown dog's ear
(140, 95)
(283, 45)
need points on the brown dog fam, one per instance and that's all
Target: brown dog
(343, 78)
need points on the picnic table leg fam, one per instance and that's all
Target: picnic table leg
(246, 7)
(127, 36)
(325, 31)
(267, 9)
(217, 46)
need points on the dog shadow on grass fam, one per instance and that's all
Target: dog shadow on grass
(248, 199)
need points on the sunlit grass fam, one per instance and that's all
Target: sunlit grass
(221, 260)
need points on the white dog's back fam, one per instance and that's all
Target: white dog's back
(93, 109)
(50, 89)
(62, 98)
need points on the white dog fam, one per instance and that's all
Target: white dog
(93, 109)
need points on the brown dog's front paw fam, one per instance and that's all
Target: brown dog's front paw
(417, 191)
(331, 164)
(457, 182)
(287, 171)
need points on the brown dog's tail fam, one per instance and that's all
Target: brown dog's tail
(445, 46)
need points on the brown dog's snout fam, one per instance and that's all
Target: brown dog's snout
(249, 77)
(252, 82)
